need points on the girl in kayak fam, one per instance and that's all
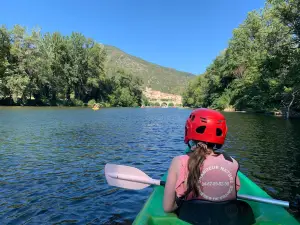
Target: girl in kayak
(203, 173)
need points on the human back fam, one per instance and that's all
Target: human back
(217, 180)
(203, 173)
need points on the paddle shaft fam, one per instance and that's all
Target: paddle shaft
(264, 200)
(162, 183)
(137, 179)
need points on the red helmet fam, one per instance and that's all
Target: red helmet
(206, 125)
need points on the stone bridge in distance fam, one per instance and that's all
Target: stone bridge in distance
(158, 98)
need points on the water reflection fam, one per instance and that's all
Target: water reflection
(52, 160)
(268, 151)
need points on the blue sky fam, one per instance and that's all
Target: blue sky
(185, 35)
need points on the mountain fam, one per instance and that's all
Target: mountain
(157, 77)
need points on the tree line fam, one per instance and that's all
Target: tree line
(53, 69)
(260, 68)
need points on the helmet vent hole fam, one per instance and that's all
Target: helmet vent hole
(219, 132)
(201, 129)
(203, 120)
(193, 117)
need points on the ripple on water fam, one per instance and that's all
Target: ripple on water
(52, 160)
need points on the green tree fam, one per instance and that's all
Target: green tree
(4, 54)
(126, 90)
(16, 78)
(145, 101)
(259, 69)
(51, 67)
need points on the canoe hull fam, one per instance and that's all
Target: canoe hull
(152, 212)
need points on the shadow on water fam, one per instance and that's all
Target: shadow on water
(52, 159)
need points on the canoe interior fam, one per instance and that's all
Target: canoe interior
(265, 214)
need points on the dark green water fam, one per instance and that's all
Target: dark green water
(52, 160)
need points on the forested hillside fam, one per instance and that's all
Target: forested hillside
(157, 77)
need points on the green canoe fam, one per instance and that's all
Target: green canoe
(265, 214)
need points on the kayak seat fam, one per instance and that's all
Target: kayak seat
(235, 212)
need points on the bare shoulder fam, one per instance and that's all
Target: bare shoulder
(176, 159)
(176, 162)
(234, 160)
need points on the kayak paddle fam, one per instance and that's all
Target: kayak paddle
(128, 177)
(132, 178)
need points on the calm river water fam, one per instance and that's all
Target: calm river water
(52, 159)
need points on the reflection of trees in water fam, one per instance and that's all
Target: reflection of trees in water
(268, 150)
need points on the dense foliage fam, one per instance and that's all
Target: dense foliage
(260, 69)
(53, 69)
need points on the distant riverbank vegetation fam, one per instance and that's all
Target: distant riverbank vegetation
(260, 69)
(52, 69)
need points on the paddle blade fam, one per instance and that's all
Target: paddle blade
(126, 177)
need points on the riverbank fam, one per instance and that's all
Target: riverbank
(41, 102)
(57, 103)
(279, 113)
